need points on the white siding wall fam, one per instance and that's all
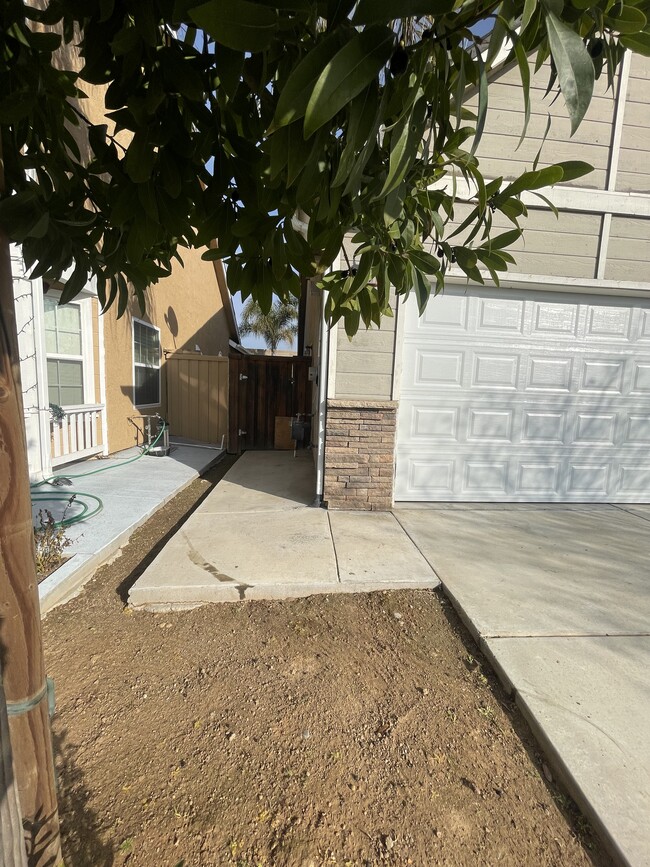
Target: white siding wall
(27, 295)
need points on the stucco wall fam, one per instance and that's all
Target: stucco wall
(188, 310)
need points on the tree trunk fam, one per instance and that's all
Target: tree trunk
(12, 847)
(21, 648)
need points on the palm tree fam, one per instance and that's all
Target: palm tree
(278, 325)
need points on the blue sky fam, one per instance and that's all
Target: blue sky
(250, 341)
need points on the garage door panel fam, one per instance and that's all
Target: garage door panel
(543, 477)
(552, 320)
(644, 329)
(521, 422)
(528, 397)
(501, 315)
(605, 323)
(641, 378)
(521, 368)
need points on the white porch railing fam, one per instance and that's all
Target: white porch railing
(77, 434)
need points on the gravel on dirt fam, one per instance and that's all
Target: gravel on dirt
(352, 730)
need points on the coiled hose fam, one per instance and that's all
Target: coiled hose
(76, 496)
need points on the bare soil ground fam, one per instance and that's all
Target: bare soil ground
(351, 730)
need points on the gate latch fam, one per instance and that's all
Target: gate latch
(242, 377)
(242, 433)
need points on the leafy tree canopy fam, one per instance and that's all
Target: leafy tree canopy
(228, 118)
(278, 325)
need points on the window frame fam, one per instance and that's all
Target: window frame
(146, 366)
(86, 357)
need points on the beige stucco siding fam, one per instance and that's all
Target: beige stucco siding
(187, 309)
(498, 151)
(634, 160)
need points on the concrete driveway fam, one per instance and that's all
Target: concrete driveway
(559, 600)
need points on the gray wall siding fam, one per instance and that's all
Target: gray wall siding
(364, 365)
(499, 153)
(628, 252)
(634, 161)
(564, 246)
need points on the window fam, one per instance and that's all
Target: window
(64, 348)
(146, 363)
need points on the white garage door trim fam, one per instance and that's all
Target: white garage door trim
(524, 396)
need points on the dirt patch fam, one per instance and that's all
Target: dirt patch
(351, 730)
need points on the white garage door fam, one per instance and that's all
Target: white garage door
(525, 396)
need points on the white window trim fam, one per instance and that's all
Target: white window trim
(135, 364)
(87, 355)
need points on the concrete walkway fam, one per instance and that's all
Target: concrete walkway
(131, 491)
(559, 600)
(256, 536)
(557, 597)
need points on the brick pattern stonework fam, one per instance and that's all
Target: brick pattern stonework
(359, 454)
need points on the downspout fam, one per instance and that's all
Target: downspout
(323, 367)
(300, 223)
(323, 390)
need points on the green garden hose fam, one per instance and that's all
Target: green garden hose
(86, 511)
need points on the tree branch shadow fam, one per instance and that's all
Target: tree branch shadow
(80, 828)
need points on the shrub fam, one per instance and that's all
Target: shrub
(50, 540)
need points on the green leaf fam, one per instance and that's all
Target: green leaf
(575, 68)
(403, 151)
(360, 119)
(123, 300)
(422, 290)
(482, 100)
(140, 158)
(524, 72)
(383, 11)
(362, 276)
(229, 65)
(424, 261)
(532, 181)
(337, 11)
(298, 151)
(465, 258)
(351, 320)
(214, 253)
(529, 8)
(237, 24)
(347, 74)
(627, 19)
(573, 169)
(297, 89)
(506, 239)
(638, 42)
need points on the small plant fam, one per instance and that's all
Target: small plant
(50, 540)
(57, 412)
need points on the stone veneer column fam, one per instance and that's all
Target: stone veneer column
(359, 454)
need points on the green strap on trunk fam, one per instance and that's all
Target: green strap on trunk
(17, 708)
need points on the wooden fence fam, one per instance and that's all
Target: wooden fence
(197, 396)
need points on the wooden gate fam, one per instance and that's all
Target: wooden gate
(197, 396)
(264, 388)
